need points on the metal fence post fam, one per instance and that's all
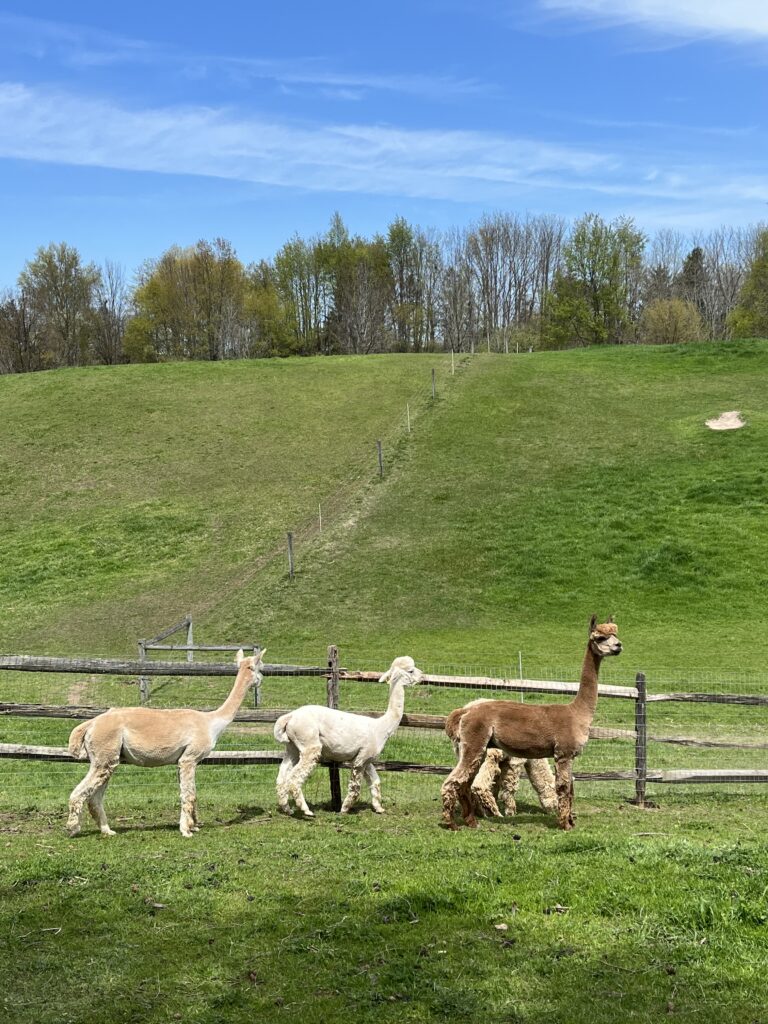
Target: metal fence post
(257, 687)
(641, 737)
(333, 702)
(290, 556)
(190, 639)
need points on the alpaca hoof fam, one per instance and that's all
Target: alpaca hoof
(187, 833)
(311, 814)
(472, 823)
(108, 832)
(284, 809)
(378, 810)
(451, 826)
(72, 832)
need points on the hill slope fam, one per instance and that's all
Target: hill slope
(538, 489)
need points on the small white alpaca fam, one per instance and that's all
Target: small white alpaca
(151, 737)
(314, 732)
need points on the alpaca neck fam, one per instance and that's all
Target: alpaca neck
(390, 720)
(586, 698)
(231, 705)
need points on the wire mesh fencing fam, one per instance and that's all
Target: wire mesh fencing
(701, 729)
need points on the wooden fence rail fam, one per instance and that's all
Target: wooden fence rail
(640, 774)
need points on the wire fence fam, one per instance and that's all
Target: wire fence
(646, 734)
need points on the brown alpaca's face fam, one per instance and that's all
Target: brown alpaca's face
(604, 640)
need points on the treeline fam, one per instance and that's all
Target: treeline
(505, 283)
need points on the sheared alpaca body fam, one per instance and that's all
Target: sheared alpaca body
(531, 732)
(313, 733)
(151, 737)
(499, 774)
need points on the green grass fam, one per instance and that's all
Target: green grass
(535, 490)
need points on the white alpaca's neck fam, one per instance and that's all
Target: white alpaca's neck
(390, 720)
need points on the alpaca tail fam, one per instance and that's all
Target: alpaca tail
(77, 741)
(281, 728)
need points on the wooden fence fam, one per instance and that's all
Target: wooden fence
(143, 669)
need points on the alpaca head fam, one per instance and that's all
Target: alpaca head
(404, 669)
(253, 663)
(603, 638)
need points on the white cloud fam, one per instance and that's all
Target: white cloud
(56, 127)
(735, 19)
(82, 47)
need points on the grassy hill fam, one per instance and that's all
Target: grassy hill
(535, 489)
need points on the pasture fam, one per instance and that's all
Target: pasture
(532, 491)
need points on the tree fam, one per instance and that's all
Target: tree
(20, 340)
(596, 295)
(61, 290)
(749, 318)
(669, 321)
(110, 314)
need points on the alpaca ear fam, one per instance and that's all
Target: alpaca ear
(385, 677)
(610, 618)
(260, 656)
(592, 624)
(239, 656)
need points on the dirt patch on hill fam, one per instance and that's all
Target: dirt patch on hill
(726, 421)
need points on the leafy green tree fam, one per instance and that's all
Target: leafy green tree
(595, 297)
(61, 290)
(669, 321)
(749, 319)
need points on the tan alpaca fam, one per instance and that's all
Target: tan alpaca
(499, 774)
(151, 737)
(531, 731)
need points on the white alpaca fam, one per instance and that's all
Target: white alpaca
(314, 732)
(151, 737)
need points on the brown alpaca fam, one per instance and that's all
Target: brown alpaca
(499, 774)
(530, 731)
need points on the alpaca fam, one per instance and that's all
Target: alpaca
(313, 732)
(151, 737)
(499, 774)
(531, 731)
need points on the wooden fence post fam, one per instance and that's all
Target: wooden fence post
(257, 687)
(434, 389)
(641, 737)
(333, 702)
(190, 639)
(381, 459)
(144, 690)
(290, 555)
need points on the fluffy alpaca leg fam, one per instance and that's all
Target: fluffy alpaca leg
(509, 778)
(484, 782)
(542, 779)
(353, 790)
(98, 775)
(289, 762)
(306, 765)
(188, 797)
(564, 789)
(96, 808)
(372, 777)
(457, 789)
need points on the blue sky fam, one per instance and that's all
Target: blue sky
(127, 128)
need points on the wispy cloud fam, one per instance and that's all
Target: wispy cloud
(740, 20)
(51, 126)
(82, 47)
(56, 127)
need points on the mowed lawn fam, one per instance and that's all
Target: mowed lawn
(533, 491)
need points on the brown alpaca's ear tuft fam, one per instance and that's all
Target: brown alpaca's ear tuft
(592, 624)
(239, 656)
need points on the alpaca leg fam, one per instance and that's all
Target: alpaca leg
(372, 777)
(353, 790)
(484, 782)
(96, 808)
(542, 779)
(289, 762)
(508, 782)
(457, 789)
(98, 776)
(564, 789)
(306, 765)
(188, 797)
